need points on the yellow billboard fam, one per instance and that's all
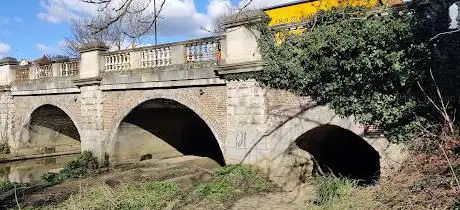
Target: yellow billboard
(298, 12)
(303, 10)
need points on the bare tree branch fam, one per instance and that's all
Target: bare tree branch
(136, 17)
(444, 33)
(82, 35)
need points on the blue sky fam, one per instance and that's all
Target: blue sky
(32, 28)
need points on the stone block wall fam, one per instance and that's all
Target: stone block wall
(246, 122)
(92, 119)
(6, 116)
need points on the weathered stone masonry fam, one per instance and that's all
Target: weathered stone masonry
(251, 123)
(92, 101)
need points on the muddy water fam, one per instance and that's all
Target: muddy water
(30, 171)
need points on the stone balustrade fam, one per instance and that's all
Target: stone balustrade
(55, 69)
(116, 61)
(22, 73)
(203, 53)
(193, 54)
(69, 68)
(41, 71)
(156, 57)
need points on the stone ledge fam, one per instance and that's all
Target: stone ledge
(88, 81)
(165, 84)
(236, 68)
(8, 61)
(5, 88)
(242, 18)
(93, 47)
(45, 92)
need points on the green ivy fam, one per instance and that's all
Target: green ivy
(362, 63)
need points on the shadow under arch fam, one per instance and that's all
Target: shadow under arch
(48, 129)
(341, 152)
(161, 128)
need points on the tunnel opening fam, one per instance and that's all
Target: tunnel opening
(341, 152)
(163, 128)
(49, 130)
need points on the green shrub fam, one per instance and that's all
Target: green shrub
(4, 149)
(7, 185)
(456, 205)
(82, 166)
(330, 188)
(231, 182)
(362, 65)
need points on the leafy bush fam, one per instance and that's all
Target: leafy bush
(330, 188)
(152, 195)
(4, 149)
(456, 205)
(361, 63)
(78, 168)
(7, 185)
(231, 182)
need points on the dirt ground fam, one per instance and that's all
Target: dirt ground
(294, 200)
(185, 171)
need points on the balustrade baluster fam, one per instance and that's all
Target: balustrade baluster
(161, 56)
(190, 54)
(168, 52)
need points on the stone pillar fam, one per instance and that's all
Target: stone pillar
(135, 60)
(91, 66)
(247, 116)
(6, 101)
(177, 54)
(241, 41)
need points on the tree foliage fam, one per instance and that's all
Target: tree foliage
(361, 63)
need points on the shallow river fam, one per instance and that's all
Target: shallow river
(29, 171)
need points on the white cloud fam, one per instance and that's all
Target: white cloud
(179, 17)
(62, 44)
(257, 4)
(4, 48)
(57, 11)
(4, 20)
(8, 20)
(43, 48)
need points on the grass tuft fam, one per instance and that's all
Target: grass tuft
(231, 183)
(151, 195)
(336, 193)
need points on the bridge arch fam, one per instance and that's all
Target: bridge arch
(300, 130)
(48, 128)
(131, 107)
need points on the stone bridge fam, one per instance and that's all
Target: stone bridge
(170, 100)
